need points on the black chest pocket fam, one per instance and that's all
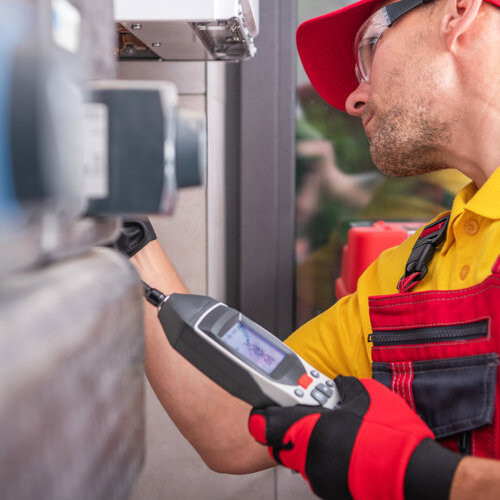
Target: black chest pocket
(452, 396)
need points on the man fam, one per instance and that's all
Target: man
(425, 80)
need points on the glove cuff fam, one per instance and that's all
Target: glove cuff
(430, 472)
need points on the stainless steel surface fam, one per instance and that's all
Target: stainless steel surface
(189, 77)
(71, 407)
(20, 243)
(227, 40)
(179, 40)
(216, 182)
(249, 9)
(193, 31)
(53, 237)
(62, 239)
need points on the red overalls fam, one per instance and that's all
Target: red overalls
(439, 350)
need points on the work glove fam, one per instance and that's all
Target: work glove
(135, 234)
(372, 447)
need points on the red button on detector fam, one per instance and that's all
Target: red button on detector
(305, 381)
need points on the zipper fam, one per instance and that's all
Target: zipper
(455, 333)
(465, 443)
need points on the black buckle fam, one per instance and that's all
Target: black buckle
(425, 247)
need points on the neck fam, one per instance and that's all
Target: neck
(475, 147)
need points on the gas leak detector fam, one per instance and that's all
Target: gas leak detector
(239, 355)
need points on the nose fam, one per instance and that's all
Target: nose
(358, 99)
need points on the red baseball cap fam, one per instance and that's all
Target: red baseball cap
(326, 48)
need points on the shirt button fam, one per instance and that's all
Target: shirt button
(472, 227)
(464, 272)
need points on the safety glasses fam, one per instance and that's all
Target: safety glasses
(371, 31)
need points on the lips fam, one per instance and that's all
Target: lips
(366, 121)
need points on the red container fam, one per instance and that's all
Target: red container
(364, 245)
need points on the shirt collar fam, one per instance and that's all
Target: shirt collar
(483, 202)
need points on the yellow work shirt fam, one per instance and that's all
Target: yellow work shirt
(336, 341)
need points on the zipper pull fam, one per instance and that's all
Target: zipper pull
(465, 443)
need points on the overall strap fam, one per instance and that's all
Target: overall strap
(416, 267)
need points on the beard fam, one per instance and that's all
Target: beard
(406, 143)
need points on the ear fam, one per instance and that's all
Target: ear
(459, 15)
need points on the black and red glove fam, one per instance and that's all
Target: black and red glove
(373, 447)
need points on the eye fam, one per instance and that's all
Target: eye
(366, 50)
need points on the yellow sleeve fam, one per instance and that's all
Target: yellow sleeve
(336, 341)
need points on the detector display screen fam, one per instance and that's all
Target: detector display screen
(253, 347)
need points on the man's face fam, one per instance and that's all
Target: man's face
(402, 107)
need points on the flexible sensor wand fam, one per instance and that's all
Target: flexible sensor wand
(153, 296)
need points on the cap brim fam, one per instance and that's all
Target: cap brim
(326, 48)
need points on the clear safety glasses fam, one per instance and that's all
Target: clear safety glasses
(371, 31)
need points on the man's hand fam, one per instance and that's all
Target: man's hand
(135, 234)
(373, 447)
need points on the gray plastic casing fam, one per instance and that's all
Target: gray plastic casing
(193, 324)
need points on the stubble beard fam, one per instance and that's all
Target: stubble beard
(405, 144)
